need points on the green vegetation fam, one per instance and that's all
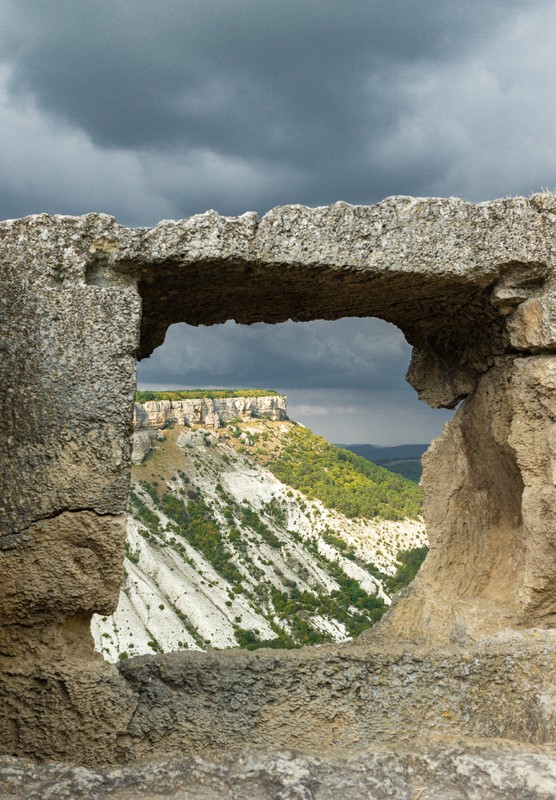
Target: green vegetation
(196, 394)
(297, 604)
(349, 604)
(142, 512)
(404, 459)
(252, 520)
(196, 524)
(411, 469)
(132, 555)
(344, 481)
(411, 561)
(334, 541)
(249, 640)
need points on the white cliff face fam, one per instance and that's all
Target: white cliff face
(249, 545)
(153, 415)
(212, 412)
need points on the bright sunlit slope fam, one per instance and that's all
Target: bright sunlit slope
(258, 532)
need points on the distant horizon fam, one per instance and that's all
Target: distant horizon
(380, 446)
(324, 421)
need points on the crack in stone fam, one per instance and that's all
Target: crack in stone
(10, 540)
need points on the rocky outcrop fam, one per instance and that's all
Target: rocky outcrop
(491, 563)
(197, 438)
(213, 412)
(453, 769)
(141, 445)
(152, 416)
(472, 287)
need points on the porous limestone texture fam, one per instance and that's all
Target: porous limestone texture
(498, 496)
(340, 699)
(343, 697)
(490, 515)
(448, 770)
(472, 287)
(76, 707)
(68, 374)
(447, 272)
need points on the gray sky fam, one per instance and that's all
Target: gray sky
(160, 110)
(343, 379)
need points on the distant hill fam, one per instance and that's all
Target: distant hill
(404, 459)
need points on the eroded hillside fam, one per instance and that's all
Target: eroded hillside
(256, 532)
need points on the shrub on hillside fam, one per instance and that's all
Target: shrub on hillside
(344, 481)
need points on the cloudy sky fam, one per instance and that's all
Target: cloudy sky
(161, 110)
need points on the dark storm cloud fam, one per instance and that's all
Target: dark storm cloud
(157, 110)
(252, 104)
(347, 354)
(244, 77)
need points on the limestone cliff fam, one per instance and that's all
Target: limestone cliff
(215, 412)
(208, 411)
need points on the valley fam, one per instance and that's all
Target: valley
(252, 531)
(404, 459)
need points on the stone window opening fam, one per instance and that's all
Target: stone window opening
(275, 588)
(471, 286)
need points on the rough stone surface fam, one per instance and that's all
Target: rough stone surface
(77, 709)
(198, 438)
(466, 283)
(343, 696)
(68, 373)
(63, 566)
(490, 515)
(473, 288)
(447, 770)
(336, 700)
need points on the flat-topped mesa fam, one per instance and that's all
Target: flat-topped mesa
(210, 411)
(472, 287)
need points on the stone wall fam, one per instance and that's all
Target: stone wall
(473, 288)
(342, 698)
